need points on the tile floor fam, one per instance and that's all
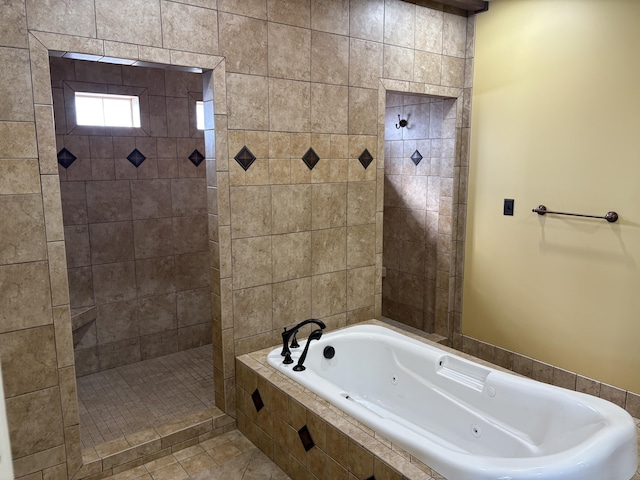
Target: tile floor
(227, 457)
(135, 397)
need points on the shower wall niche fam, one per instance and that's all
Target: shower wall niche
(136, 236)
(418, 201)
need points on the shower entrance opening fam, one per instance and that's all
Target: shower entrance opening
(134, 202)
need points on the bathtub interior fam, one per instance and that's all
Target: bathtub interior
(478, 410)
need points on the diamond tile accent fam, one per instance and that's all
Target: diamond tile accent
(365, 158)
(196, 157)
(66, 158)
(257, 400)
(136, 157)
(416, 157)
(305, 438)
(310, 158)
(245, 158)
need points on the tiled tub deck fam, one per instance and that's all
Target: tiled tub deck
(344, 448)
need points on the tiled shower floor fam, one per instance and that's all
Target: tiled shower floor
(131, 398)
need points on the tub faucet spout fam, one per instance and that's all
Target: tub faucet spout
(292, 332)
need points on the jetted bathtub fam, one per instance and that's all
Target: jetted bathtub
(463, 419)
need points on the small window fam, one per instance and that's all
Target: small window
(106, 110)
(200, 115)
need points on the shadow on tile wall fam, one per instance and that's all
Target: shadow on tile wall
(418, 203)
(135, 228)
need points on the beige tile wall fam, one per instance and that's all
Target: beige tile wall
(131, 233)
(304, 74)
(417, 210)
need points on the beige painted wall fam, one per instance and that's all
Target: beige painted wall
(555, 122)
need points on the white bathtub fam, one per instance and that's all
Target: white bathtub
(463, 419)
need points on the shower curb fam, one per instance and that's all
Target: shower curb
(133, 450)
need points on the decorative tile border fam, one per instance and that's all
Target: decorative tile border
(66, 158)
(365, 158)
(136, 157)
(310, 158)
(245, 158)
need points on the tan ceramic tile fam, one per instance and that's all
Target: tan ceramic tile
(453, 71)
(251, 261)
(328, 250)
(60, 17)
(359, 287)
(194, 306)
(28, 360)
(224, 453)
(289, 103)
(17, 102)
(250, 211)
(153, 237)
(23, 237)
(429, 25)
(117, 321)
(291, 206)
(248, 102)
(454, 35)
(365, 63)
(192, 271)
(252, 311)
(291, 302)
(179, 21)
(13, 24)
(130, 22)
(174, 471)
(427, 67)
(366, 19)
(398, 62)
(183, 191)
(249, 8)
(114, 282)
(33, 425)
(363, 104)
(329, 58)
(290, 12)
(329, 108)
(198, 464)
(250, 55)
(22, 306)
(18, 140)
(157, 313)
(289, 52)
(327, 16)
(360, 460)
(360, 245)
(329, 294)
(58, 273)
(111, 242)
(361, 203)
(291, 256)
(19, 177)
(399, 23)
